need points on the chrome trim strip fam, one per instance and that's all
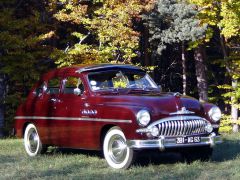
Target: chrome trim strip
(163, 143)
(74, 119)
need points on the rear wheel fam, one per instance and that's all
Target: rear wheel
(199, 153)
(115, 149)
(32, 142)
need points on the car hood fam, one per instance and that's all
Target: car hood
(159, 104)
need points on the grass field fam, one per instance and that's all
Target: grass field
(72, 164)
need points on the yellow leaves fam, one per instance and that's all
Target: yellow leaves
(52, 5)
(230, 22)
(116, 16)
(222, 13)
(208, 11)
(75, 14)
(45, 36)
(148, 69)
(78, 54)
(69, 7)
(109, 23)
(148, 5)
(78, 35)
(226, 123)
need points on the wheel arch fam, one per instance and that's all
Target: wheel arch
(104, 131)
(25, 126)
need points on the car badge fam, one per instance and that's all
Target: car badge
(89, 112)
(182, 111)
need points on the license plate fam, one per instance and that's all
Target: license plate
(188, 140)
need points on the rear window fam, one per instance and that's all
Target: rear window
(53, 86)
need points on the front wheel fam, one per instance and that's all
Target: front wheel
(115, 149)
(32, 142)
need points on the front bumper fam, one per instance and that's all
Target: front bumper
(163, 143)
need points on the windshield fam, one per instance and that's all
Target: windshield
(120, 79)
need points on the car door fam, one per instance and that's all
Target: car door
(51, 101)
(68, 112)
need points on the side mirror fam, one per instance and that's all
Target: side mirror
(77, 91)
(160, 87)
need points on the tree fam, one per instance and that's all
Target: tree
(229, 25)
(102, 31)
(33, 32)
(23, 49)
(224, 15)
(175, 22)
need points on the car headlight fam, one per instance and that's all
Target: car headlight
(215, 113)
(143, 117)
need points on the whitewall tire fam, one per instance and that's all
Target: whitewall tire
(32, 142)
(115, 149)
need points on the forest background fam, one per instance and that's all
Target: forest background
(189, 46)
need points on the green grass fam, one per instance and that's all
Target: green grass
(56, 164)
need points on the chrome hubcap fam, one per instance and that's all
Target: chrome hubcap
(33, 140)
(117, 149)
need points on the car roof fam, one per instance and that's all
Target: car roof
(88, 68)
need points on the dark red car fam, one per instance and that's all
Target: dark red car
(115, 108)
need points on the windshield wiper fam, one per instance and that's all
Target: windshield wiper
(140, 90)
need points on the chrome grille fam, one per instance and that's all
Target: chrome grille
(182, 127)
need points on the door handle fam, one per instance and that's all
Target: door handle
(54, 100)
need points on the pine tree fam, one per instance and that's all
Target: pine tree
(174, 22)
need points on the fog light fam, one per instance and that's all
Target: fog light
(209, 128)
(154, 131)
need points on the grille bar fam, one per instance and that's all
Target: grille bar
(182, 127)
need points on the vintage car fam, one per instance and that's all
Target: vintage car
(115, 108)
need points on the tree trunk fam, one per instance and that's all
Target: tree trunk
(184, 70)
(200, 57)
(145, 46)
(2, 94)
(234, 110)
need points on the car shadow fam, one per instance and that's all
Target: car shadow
(56, 150)
(228, 150)
(155, 157)
(142, 158)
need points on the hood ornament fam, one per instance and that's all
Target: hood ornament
(177, 94)
(182, 111)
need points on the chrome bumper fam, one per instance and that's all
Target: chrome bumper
(163, 143)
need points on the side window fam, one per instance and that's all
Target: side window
(40, 90)
(53, 86)
(73, 85)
